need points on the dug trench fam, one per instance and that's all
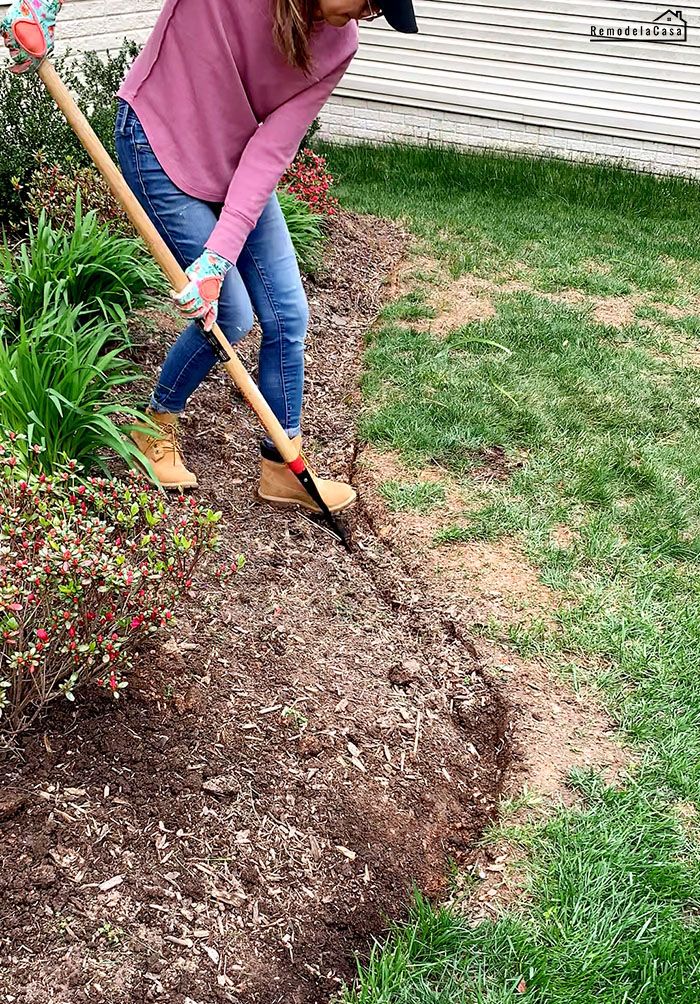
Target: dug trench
(313, 739)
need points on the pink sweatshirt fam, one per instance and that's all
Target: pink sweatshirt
(221, 107)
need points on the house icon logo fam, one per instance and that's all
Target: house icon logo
(670, 26)
(671, 17)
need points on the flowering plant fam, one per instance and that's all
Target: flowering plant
(53, 189)
(88, 569)
(310, 180)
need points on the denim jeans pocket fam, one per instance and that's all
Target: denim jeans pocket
(123, 110)
(138, 136)
(128, 125)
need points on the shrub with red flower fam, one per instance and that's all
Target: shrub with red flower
(88, 569)
(310, 180)
(52, 189)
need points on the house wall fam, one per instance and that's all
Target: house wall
(524, 77)
(103, 24)
(359, 120)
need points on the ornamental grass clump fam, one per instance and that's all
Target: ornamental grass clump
(60, 386)
(305, 231)
(81, 264)
(88, 570)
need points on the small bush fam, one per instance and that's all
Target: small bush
(30, 120)
(100, 78)
(310, 135)
(310, 180)
(87, 571)
(54, 190)
(87, 265)
(304, 229)
(57, 384)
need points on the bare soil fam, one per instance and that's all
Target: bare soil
(553, 727)
(310, 742)
(470, 298)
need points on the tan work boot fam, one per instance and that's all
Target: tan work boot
(161, 448)
(279, 485)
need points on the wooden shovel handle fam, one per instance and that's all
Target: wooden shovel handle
(160, 251)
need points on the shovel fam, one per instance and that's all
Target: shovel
(178, 280)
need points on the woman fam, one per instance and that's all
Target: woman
(210, 116)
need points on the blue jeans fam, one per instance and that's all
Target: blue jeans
(265, 281)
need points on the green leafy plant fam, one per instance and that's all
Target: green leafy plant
(310, 135)
(105, 274)
(30, 120)
(305, 230)
(90, 568)
(100, 77)
(111, 934)
(54, 191)
(57, 384)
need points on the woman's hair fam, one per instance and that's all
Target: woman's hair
(292, 23)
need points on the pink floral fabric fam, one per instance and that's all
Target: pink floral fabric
(28, 32)
(199, 299)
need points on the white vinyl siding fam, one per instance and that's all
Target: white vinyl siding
(532, 61)
(103, 25)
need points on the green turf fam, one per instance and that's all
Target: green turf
(554, 223)
(602, 427)
(411, 307)
(612, 920)
(421, 496)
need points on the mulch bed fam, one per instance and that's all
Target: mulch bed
(310, 742)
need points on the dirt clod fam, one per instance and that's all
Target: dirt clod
(11, 804)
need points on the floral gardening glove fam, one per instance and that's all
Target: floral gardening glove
(27, 30)
(199, 299)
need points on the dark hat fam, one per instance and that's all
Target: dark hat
(400, 15)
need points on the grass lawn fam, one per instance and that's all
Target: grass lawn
(606, 417)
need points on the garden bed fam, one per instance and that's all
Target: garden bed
(314, 737)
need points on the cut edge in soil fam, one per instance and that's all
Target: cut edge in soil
(554, 729)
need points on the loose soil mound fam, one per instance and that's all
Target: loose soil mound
(310, 742)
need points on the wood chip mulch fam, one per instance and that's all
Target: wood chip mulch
(305, 746)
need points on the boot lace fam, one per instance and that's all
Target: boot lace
(167, 442)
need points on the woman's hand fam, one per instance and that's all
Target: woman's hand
(27, 30)
(200, 297)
